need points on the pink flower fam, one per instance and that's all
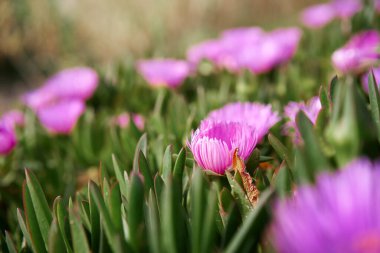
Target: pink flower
(259, 117)
(164, 72)
(317, 16)
(7, 140)
(61, 100)
(74, 83)
(311, 109)
(61, 117)
(214, 143)
(13, 118)
(123, 120)
(376, 73)
(248, 48)
(359, 53)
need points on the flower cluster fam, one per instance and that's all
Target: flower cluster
(164, 72)
(61, 100)
(319, 15)
(339, 214)
(237, 49)
(247, 48)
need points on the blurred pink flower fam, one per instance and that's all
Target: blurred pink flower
(214, 143)
(311, 109)
(164, 72)
(319, 15)
(259, 117)
(248, 48)
(13, 118)
(7, 140)
(339, 213)
(61, 117)
(123, 120)
(376, 73)
(360, 52)
(346, 8)
(73, 83)
(61, 100)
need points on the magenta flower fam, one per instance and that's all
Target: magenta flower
(164, 72)
(339, 214)
(7, 140)
(317, 16)
(61, 100)
(258, 116)
(346, 8)
(74, 83)
(311, 109)
(248, 48)
(213, 144)
(359, 53)
(208, 50)
(376, 73)
(61, 118)
(124, 119)
(12, 119)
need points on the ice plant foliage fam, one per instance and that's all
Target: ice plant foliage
(164, 72)
(360, 52)
(61, 100)
(213, 144)
(260, 117)
(247, 48)
(311, 109)
(339, 214)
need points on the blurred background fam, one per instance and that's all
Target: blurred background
(39, 37)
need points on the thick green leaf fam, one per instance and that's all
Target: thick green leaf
(146, 172)
(61, 217)
(374, 99)
(312, 150)
(167, 163)
(114, 206)
(115, 240)
(173, 225)
(198, 199)
(248, 235)
(153, 224)
(135, 212)
(179, 167)
(95, 223)
(40, 205)
(239, 194)
(119, 176)
(56, 243)
(209, 223)
(281, 150)
(78, 235)
(23, 228)
(141, 146)
(32, 222)
(10, 244)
